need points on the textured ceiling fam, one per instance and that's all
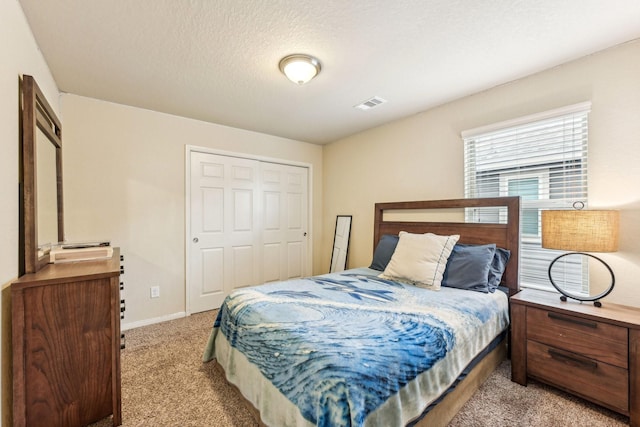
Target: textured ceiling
(217, 60)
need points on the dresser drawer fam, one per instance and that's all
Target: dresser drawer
(600, 341)
(598, 381)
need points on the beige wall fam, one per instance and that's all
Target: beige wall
(20, 55)
(124, 180)
(421, 157)
(124, 168)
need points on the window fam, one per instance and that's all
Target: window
(543, 159)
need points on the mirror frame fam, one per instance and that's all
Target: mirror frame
(335, 256)
(37, 114)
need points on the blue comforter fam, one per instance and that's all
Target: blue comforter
(339, 346)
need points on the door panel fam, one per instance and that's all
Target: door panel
(248, 225)
(212, 210)
(284, 219)
(223, 192)
(297, 222)
(271, 267)
(271, 208)
(294, 262)
(212, 273)
(243, 267)
(294, 211)
(242, 210)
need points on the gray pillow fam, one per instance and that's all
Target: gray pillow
(498, 265)
(384, 251)
(469, 266)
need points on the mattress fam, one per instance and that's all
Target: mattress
(350, 348)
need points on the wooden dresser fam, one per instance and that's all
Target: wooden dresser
(66, 344)
(591, 352)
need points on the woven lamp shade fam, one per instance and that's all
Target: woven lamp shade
(580, 230)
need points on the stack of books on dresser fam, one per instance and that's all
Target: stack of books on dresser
(84, 251)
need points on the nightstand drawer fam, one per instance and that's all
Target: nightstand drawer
(601, 382)
(596, 340)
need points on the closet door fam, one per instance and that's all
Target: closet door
(248, 225)
(284, 221)
(225, 235)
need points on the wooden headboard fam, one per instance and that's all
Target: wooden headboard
(506, 235)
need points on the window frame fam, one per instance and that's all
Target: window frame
(560, 171)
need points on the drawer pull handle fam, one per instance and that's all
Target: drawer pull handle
(580, 322)
(580, 362)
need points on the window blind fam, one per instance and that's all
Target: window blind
(543, 159)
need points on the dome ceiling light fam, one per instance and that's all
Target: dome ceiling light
(300, 68)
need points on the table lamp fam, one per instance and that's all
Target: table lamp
(581, 231)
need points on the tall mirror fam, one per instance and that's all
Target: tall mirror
(341, 244)
(41, 177)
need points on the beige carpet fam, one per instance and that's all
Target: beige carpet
(164, 383)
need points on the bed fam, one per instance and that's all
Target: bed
(378, 346)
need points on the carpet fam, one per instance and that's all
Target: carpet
(165, 383)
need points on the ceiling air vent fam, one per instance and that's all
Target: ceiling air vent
(370, 103)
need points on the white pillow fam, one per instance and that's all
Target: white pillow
(420, 259)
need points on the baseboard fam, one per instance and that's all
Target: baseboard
(147, 322)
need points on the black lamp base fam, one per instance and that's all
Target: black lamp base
(595, 298)
(564, 299)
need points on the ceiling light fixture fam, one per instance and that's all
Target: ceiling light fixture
(300, 68)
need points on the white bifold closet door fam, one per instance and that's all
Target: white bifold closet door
(248, 224)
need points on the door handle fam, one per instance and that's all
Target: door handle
(195, 240)
(573, 359)
(580, 322)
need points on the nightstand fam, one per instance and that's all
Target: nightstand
(591, 352)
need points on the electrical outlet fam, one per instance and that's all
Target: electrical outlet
(155, 291)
